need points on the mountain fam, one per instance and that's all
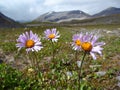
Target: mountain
(7, 22)
(111, 19)
(110, 15)
(107, 12)
(62, 16)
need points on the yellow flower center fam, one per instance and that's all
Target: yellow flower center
(78, 42)
(86, 46)
(30, 43)
(51, 36)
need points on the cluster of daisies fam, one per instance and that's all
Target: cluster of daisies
(84, 42)
(88, 43)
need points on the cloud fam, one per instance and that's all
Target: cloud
(31, 9)
(20, 10)
(89, 6)
(52, 2)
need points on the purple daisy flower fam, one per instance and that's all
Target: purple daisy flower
(91, 45)
(29, 41)
(77, 40)
(52, 35)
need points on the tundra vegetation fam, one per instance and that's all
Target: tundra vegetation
(56, 65)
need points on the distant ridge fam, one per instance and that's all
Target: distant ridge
(107, 12)
(62, 16)
(68, 16)
(111, 19)
(8, 22)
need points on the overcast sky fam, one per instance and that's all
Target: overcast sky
(31, 9)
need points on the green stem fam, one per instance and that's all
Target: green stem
(31, 59)
(52, 50)
(76, 55)
(36, 61)
(79, 73)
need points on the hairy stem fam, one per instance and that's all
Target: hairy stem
(53, 55)
(79, 73)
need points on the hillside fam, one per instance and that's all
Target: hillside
(107, 12)
(111, 19)
(7, 22)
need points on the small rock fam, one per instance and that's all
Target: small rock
(53, 71)
(109, 32)
(30, 70)
(69, 74)
(1, 61)
(79, 63)
(2, 56)
(101, 73)
(1, 51)
(95, 66)
(118, 78)
(10, 58)
(118, 84)
(118, 28)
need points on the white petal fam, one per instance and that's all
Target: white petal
(93, 55)
(54, 40)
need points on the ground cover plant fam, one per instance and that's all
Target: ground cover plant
(17, 73)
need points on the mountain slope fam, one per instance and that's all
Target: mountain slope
(7, 22)
(111, 19)
(62, 16)
(107, 12)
